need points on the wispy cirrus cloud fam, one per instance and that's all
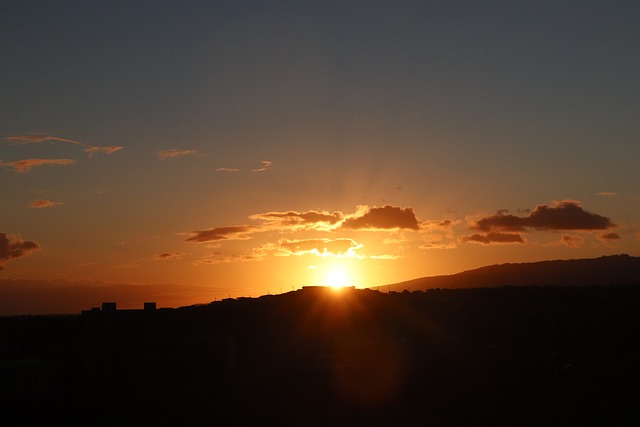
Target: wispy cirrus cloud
(106, 150)
(39, 137)
(266, 165)
(38, 204)
(227, 170)
(12, 246)
(174, 153)
(25, 165)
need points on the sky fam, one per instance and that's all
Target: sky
(188, 151)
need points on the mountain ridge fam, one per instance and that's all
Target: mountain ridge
(622, 269)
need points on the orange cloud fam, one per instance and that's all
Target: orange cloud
(564, 215)
(320, 247)
(236, 232)
(170, 154)
(493, 238)
(14, 247)
(292, 218)
(266, 164)
(106, 150)
(385, 218)
(227, 170)
(37, 137)
(44, 204)
(23, 166)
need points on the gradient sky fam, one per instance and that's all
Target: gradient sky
(238, 148)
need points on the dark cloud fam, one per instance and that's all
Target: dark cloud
(610, 236)
(169, 255)
(493, 238)
(385, 217)
(236, 232)
(565, 215)
(14, 247)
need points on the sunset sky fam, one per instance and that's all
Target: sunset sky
(206, 149)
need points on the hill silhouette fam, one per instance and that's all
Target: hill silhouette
(606, 270)
(499, 356)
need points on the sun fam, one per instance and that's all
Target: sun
(337, 277)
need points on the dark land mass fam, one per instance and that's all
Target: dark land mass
(505, 355)
(606, 270)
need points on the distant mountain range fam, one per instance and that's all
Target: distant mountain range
(607, 270)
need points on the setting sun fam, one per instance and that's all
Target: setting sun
(337, 277)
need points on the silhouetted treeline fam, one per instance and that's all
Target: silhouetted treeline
(545, 355)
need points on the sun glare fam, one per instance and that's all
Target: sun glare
(337, 277)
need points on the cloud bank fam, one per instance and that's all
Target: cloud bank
(566, 215)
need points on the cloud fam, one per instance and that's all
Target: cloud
(168, 255)
(266, 165)
(437, 244)
(320, 247)
(563, 215)
(170, 154)
(385, 217)
(610, 236)
(37, 137)
(106, 150)
(227, 170)
(292, 219)
(571, 241)
(23, 166)
(14, 247)
(236, 232)
(44, 204)
(493, 238)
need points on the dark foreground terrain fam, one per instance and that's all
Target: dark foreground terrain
(512, 356)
